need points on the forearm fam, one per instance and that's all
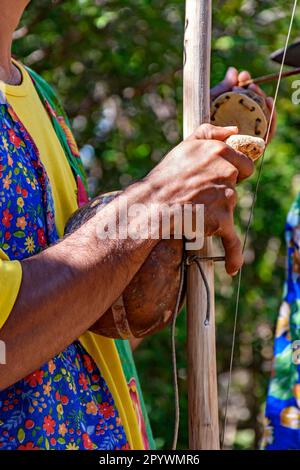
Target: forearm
(66, 288)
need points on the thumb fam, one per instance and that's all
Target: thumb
(210, 132)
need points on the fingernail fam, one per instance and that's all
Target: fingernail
(234, 274)
(231, 128)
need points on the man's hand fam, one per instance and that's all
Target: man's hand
(232, 80)
(68, 287)
(204, 170)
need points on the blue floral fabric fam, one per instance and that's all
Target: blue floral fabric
(66, 403)
(26, 204)
(282, 416)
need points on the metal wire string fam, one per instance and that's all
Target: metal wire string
(250, 222)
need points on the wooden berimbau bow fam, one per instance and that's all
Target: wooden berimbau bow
(202, 373)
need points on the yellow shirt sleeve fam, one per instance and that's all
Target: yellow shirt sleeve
(10, 282)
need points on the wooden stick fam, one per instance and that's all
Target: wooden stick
(202, 376)
(270, 78)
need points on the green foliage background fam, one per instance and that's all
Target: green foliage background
(116, 64)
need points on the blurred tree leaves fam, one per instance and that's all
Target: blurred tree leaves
(117, 65)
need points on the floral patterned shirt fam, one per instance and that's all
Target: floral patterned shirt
(282, 417)
(65, 404)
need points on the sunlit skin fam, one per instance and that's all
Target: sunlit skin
(11, 12)
(69, 286)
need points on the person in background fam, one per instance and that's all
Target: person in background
(282, 415)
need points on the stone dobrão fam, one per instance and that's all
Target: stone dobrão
(148, 302)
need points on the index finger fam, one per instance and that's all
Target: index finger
(210, 132)
(242, 163)
(232, 245)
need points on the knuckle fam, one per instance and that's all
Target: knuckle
(231, 197)
(235, 242)
(236, 246)
(189, 148)
(212, 226)
(234, 173)
(217, 147)
(230, 172)
(206, 130)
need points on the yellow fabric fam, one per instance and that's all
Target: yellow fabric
(10, 281)
(104, 348)
(28, 107)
